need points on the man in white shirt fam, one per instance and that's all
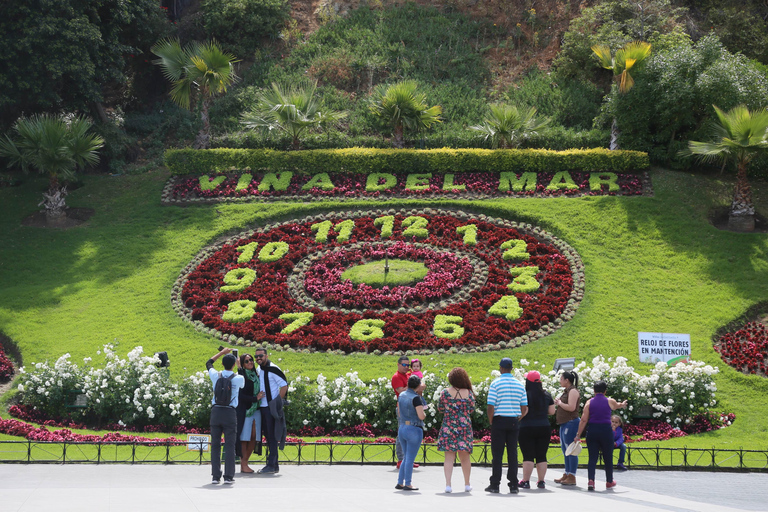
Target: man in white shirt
(275, 386)
(224, 417)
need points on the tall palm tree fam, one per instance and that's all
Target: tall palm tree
(403, 108)
(200, 67)
(507, 125)
(291, 109)
(630, 57)
(53, 146)
(738, 135)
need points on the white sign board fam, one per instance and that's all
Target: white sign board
(197, 442)
(661, 346)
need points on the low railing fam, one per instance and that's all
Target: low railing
(179, 452)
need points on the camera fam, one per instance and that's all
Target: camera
(234, 351)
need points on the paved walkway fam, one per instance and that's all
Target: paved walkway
(107, 488)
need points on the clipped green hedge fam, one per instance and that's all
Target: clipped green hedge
(368, 160)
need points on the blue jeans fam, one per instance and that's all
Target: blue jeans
(410, 437)
(567, 435)
(622, 452)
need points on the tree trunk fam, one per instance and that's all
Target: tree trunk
(98, 109)
(742, 214)
(203, 140)
(398, 139)
(614, 135)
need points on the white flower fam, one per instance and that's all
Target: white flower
(305, 422)
(21, 387)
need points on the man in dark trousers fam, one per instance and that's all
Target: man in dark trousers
(274, 386)
(224, 417)
(507, 403)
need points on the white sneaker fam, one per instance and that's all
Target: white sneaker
(448, 489)
(467, 488)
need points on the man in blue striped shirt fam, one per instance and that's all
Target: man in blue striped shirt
(507, 404)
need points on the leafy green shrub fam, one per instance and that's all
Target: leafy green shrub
(570, 103)
(363, 160)
(239, 25)
(555, 138)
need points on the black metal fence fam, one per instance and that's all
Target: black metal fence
(185, 452)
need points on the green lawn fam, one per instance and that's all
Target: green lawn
(652, 264)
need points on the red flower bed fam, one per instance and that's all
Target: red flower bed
(475, 184)
(198, 296)
(746, 349)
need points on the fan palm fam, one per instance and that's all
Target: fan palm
(630, 57)
(53, 146)
(403, 108)
(292, 110)
(507, 125)
(201, 67)
(738, 135)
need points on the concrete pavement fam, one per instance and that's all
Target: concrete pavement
(357, 488)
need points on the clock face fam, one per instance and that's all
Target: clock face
(384, 280)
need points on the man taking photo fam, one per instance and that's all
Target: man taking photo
(226, 385)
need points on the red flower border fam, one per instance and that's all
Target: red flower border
(197, 296)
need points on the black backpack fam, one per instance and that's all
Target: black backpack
(222, 391)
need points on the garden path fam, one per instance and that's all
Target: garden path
(354, 488)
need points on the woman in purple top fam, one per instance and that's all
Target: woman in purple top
(597, 414)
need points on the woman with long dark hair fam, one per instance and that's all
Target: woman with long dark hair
(597, 415)
(535, 430)
(248, 415)
(456, 403)
(567, 416)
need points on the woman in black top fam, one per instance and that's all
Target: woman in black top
(535, 430)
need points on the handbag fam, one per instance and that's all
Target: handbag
(573, 449)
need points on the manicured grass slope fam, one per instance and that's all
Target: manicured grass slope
(652, 264)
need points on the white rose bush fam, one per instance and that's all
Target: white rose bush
(135, 393)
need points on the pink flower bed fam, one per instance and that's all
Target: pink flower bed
(6, 367)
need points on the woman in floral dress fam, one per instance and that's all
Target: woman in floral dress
(456, 403)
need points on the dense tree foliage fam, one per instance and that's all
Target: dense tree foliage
(674, 94)
(614, 23)
(240, 25)
(61, 55)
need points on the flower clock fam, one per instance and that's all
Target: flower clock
(383, 281)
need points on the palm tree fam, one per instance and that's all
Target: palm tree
(53, 146)
(738, 135)
(507, 125)
(403, 108)
(630, 57)
(292, 110)
(201, 67)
